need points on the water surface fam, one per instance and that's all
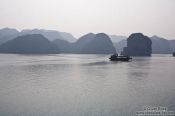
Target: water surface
(84, 85)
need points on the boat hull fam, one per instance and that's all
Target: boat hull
(120, 59)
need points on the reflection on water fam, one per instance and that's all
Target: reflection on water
(97, 63)
(88, 85)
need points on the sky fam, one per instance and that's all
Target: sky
(79, 17)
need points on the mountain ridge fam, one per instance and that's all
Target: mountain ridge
(29, 44)
(10, 33)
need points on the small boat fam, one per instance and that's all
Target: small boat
(174, 54)
(115, 57)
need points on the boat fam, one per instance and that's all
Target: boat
(174, 54)
(115, 57)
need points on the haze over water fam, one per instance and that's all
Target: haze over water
(84, 85)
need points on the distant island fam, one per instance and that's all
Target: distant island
(138, 45)
(159, 45)
(9, 34)
(29, 44)
(41, 41)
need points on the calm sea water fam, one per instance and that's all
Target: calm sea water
(84, 85)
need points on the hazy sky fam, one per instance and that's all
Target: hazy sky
(121, 17)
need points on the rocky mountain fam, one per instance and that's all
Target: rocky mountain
(172, 45)
(101, 44)
(82, 41)
(64, 46)
(68, 44)
(29, 44)
(117, 38)
(50, 34)
(9, 34)
(7, 31)
(88, 44)
(120, 45)
(138, 45)
(161, 45)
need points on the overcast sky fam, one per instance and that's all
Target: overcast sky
(121, 17)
